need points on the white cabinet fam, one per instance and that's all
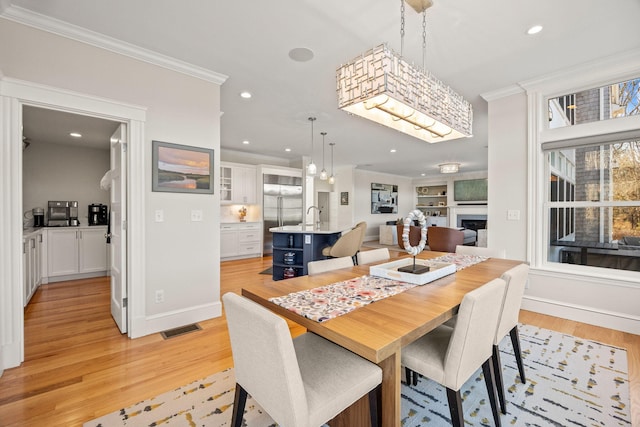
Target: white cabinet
(228, 240)
(238, 184)
(32, 258)
(76, 252)
(240, 240)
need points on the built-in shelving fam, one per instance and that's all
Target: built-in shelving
(432, 201)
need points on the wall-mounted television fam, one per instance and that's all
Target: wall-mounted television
(470, 190)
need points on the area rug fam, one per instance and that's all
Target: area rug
(570, 382)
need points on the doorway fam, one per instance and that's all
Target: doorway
(68, 157)
(14, 95)
(324, 206)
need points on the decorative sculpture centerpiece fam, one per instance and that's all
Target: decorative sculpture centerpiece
(415, 215)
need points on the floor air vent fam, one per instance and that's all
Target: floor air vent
(171, 333)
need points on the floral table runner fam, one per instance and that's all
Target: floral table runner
(330, 301)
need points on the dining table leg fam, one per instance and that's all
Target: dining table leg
(391, 376)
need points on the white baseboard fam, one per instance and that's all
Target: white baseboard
(173, 319)
(618, 321)
(10, 356)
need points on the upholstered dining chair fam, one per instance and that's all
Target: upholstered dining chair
(320, 266)
(450, 356)
(373, 255)
(301, 382)
(516, 279)
(347, 245)
(477, 250)
(444, 239)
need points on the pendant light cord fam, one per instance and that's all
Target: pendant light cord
(424, 41)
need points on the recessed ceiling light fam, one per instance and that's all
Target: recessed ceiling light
(287, 149)
(245, 95)
(245, 142)
(301, 54)
(75, 135)
(393, 150)
(534, 30)
(423, 174)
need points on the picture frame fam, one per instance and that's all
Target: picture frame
(182, 169)
(344, 198)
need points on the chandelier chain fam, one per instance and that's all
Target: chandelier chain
(424, 41)
(401, 28)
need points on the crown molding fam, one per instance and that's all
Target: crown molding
(501, 93)
(74, 32)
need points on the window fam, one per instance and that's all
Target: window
(602, 103)
(593, 205)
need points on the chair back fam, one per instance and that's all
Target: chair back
(362, 225)
(317, 267)
(348, 244)
(480, 251)
(414, 235)
(516, 279)
(374, 255)
(444, 239)
(264, 359)
(472, 341)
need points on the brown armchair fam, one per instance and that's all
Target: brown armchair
(414, 235)
(444, 239)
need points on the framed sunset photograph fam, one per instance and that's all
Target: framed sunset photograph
(181, 168)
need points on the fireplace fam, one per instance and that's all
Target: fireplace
(473, 224)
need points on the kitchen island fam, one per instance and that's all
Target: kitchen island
(295, 245)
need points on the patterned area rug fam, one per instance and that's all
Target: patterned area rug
(570, 382)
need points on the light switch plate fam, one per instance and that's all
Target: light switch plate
(513, 215)
(159, 215)
(196, 215)
(307, 239)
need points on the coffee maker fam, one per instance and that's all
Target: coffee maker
(98, 214)
(38, 217)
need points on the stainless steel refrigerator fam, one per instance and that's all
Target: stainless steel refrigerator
(282, 204)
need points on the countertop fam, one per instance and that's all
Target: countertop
(31, 230)
(309, 229)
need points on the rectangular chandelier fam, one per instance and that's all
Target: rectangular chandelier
(381, 86)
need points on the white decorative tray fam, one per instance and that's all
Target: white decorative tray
(390, 270)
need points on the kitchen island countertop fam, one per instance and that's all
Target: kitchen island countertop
(309, 229)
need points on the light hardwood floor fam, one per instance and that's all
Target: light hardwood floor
(78, 366)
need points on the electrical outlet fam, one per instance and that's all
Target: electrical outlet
(159, 215)
(159, 296)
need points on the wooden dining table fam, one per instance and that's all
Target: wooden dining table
(378, 331)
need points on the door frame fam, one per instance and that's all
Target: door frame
(14, 94)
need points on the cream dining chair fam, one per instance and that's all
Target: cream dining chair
(516, 279)
(301, 382)
(450, 356)
(480, 251)
(373, 255)
(320, 266)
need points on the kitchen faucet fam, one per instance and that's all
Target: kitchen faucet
(318, 218)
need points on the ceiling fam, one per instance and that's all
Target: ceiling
(474, 46)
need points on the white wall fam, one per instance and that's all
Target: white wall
(181, 257)
(63, 172)
(507, 183)
(362, 199)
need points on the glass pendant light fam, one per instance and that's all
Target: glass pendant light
(311, 167)
(332, 178)
(323, 172)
